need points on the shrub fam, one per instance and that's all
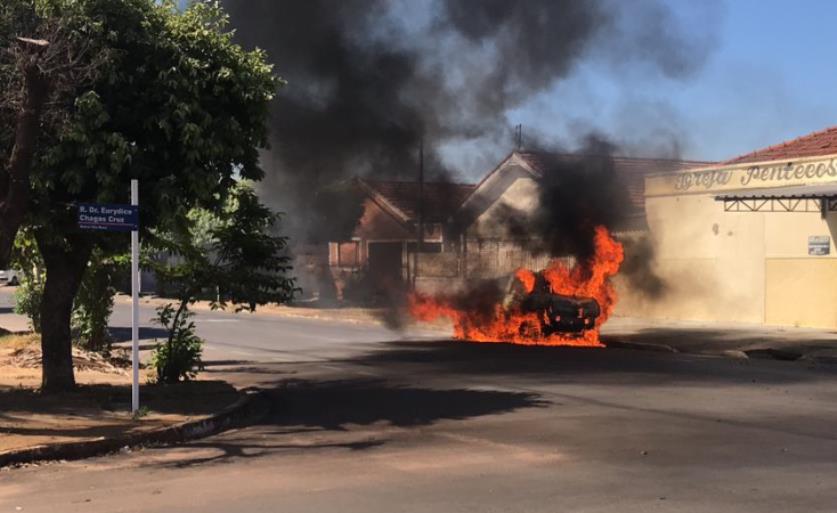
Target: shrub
(28, 300)
(93, 304)
(179, 357)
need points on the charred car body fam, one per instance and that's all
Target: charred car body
(556, 313)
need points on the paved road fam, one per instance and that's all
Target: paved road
(365, 420)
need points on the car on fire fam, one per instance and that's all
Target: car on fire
(555, 313)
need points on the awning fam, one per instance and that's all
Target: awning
(820, 198)
(819, 191)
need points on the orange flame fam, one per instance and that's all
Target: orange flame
(589, 279)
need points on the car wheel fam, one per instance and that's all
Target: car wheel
(13, 282)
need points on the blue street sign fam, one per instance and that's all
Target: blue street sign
(111, 218)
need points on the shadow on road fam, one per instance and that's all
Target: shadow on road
(302, 412)
(328, 411)
(576, 364)
(333, 405)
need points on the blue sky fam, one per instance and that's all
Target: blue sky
(770, 76)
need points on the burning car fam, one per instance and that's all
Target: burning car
(562, 305)
(554, 313)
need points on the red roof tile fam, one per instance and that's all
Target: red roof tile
(440, 199)
(814, 144)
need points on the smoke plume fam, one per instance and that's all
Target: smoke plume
(368, 80)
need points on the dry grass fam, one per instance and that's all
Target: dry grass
(98, 407)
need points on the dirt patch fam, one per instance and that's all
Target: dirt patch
(99, 407)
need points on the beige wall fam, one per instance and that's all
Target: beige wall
(711, 262)
(737, 267)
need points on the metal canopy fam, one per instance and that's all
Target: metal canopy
(820, 198)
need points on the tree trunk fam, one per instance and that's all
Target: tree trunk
(65, 266)
(14, 185)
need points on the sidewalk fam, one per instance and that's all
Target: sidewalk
(727, 339)
(96, 415)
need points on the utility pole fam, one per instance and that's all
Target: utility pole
(419, 213)
(519, 136)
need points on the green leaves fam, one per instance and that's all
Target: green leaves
(176, 104)
(229, 255)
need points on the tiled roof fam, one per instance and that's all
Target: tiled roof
(440, 199)
(631, 170)
(823, 142)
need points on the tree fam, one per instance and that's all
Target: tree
(177, 105)
(230, 256)
(53, 61)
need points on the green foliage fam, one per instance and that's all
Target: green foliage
(94, 301)
(93, 304)
(28, 301)
(179, 357)
(27, 261)
(232, 251)
(174, 103)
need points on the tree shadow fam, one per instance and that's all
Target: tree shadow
(576, 364)
(302, 411)
(334, 405)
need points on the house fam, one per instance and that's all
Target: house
(384, 240)
(465, 233)
(489, 248)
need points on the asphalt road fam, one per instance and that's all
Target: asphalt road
(366, 420)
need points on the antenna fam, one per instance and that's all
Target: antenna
(519, 136)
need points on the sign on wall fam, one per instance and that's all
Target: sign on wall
(819, 245)
(777, 174)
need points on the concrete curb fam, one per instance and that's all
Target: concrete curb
(769, 353)
(641, 346)
(250, 407)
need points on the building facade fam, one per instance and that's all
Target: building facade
(747, 240)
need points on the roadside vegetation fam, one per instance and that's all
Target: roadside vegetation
(104, 91)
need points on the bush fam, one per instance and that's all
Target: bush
(93, 304)
(26, 259)
(28, 301)
(179, 357)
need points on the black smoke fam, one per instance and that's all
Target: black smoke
(368, 80)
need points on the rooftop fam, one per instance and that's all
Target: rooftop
(440, 199)
(823, 142)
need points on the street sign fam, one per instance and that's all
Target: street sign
(819, 245)
(111, 218)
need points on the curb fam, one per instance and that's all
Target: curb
(250, 407)
(641, 346)
(783, 354)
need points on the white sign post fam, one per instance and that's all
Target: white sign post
(135, 304)
(121, 218)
